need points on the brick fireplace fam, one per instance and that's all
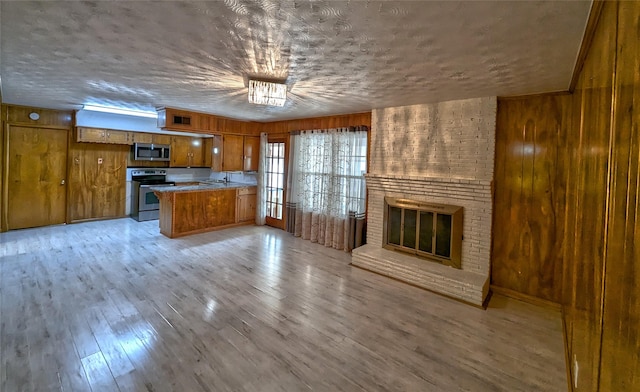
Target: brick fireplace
(434, 153)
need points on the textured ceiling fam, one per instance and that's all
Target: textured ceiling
(335, 56)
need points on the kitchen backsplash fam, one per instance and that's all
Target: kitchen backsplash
(201, 174)
(242, 177)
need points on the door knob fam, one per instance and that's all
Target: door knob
(62, 182)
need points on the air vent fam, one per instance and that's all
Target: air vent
(182, 120)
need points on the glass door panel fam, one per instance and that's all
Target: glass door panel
(276, 157)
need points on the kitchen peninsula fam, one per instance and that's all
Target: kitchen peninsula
(192, 209)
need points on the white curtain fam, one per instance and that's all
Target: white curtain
(326, 185)
(261, 198)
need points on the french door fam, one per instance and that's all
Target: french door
(276, 171)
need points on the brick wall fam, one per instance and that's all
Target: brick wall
(441, 153)
(454, 139)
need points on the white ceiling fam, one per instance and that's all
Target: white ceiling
(336, 56)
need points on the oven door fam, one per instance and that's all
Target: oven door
(147, 200)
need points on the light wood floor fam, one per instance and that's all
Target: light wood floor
(114, 305)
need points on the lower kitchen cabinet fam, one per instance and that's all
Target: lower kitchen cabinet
(190, 212)
(246, 209)
(185, 212)
(97, 181)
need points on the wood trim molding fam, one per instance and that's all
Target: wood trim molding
(567, 356)
(530, 96)
(525, 298)
(587, 39)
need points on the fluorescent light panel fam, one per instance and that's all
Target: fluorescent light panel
(128, 112)
(267, 93)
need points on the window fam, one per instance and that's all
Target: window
(329, 172)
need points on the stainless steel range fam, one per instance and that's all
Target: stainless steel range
(144, 203)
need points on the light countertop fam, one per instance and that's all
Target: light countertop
(202, 186)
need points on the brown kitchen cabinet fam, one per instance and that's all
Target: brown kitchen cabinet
(251, 153)
(232, 153)
(215, 151)
(246, 208)
(189, 212)
(140, 137)
(158, 138)
(97, 179)
(100, 135)
(187, 151)
(182, 120)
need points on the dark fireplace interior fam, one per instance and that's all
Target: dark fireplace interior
(431, 231)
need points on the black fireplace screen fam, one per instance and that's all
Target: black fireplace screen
(430, 230)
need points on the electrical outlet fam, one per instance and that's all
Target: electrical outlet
(576, 370)
(99, 161)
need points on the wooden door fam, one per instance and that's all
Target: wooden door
(232, 157)
(276, 180)
(37, 172)
(251, 153)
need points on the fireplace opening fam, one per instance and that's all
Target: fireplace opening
(432, 231)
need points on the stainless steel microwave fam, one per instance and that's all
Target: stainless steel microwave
(151, 152)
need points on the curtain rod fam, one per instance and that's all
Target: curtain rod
(357, 128)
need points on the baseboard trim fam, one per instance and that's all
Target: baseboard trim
(525, 297)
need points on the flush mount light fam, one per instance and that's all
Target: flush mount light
(128, 112)
(267, 93)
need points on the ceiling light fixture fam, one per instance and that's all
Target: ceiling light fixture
(128, 112)
(267, 93)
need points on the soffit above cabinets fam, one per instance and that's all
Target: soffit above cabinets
(335, 56)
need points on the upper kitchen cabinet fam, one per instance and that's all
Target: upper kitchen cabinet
(173, 119)
(157, 138)
(98, 135)
(251, 153)
(140, 137)
(183, 120)
(187, 151)
(213, 148)
(233, 153)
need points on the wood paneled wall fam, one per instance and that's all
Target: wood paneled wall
(566, 183)
(601, 279)
(327, 122)
(620, 357)
(588, 144)
(529, 185)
